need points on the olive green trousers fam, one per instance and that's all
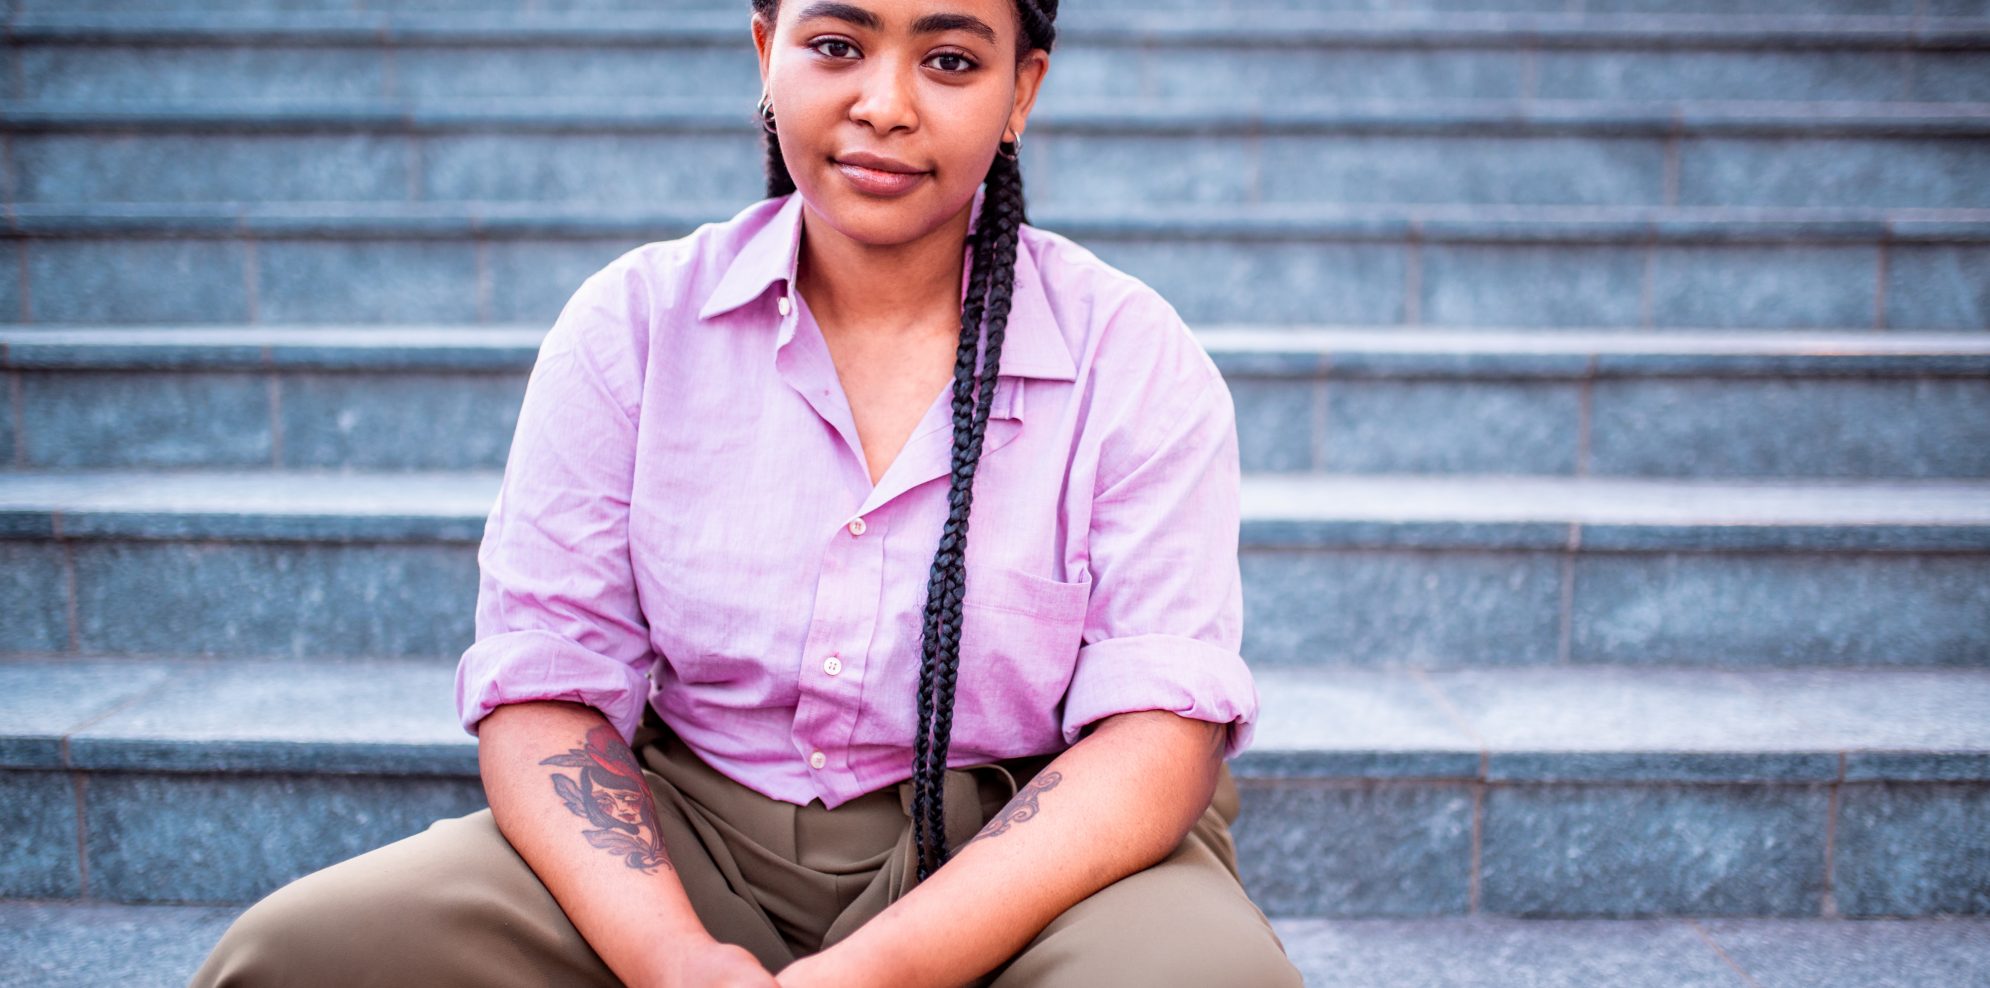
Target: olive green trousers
(456, 905)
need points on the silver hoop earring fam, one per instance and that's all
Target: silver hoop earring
(1015, 148)
(766, 110)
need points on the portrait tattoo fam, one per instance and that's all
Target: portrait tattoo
(611, 794)
(1022, 806)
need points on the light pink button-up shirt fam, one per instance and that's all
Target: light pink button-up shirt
(686, 519)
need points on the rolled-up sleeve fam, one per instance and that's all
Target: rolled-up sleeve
(557, 613)
(1164, 626)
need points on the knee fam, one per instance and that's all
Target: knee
(300, 934)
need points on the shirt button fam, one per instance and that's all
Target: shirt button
(857, 526)
(832, 665)
(816, 760)
(784, 305)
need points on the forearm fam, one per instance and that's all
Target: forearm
(626, 898)
(1119, 800)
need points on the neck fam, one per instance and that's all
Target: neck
(889, 290)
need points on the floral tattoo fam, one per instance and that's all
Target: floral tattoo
(1022, 806)
(612, 795)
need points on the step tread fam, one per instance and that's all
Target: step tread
(1279, 27)
(1092, 116)
(1251, 221)
(1583, 723)
(1284, 510)
(1257, 349)
(84, 945)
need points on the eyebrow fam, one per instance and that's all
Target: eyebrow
(929, 24)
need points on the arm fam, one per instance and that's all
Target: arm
(1118, 801)
(621, 891)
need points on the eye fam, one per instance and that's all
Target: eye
(968, 64)
(819, 43)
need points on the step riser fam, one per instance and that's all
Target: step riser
(1393, 849)
(1773, 426)
(1431, 849)
(1389, 606)
(515, 277)
(728, 74)
(1066, 169)
(1408, 606)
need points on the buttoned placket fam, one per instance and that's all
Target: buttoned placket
(839, 634)
(851, 578)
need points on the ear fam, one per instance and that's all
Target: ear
(763, 44)
(1029, 80)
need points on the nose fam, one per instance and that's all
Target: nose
(886, 101)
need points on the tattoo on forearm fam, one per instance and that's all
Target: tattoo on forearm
(612, 794)
(1022, 806)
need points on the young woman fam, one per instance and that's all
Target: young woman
(752, 707)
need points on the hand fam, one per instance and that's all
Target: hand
(714, 964)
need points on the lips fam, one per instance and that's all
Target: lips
(878, 179)
(876, 162)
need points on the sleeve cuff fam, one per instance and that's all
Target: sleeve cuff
(1188, 676)
(534, 664)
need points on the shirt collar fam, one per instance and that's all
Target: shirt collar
(1032, 345)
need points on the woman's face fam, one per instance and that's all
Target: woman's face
(848, 77)
(625, 805)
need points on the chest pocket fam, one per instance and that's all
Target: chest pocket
(1019, 642)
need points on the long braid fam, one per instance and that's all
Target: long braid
(991, 246)
(996, 239)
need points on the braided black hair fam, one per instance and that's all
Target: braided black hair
(992, 249)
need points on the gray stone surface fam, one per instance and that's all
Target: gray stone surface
(1912, 850)
(1390, 849)
(1365, 605)
(1356, 723)
(150, 279)
(1938, 286)
(39, 835)
(389, 281)
(1646, 850)
(1873, 953)
(1497, 951)
(43, 701)
(236, 838)
(88, 945)
(1449, 426)
(87, 167)
(177, 419)
(276, 600)
(1786, 427)
(350, 717)
(1781, 608)
(400, 421)
(1533, 285)
(36, 616)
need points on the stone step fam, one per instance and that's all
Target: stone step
(87, 945)
(1396, 151)
(1388, 570)
(1293, 263)
(1357, 399)
(1229, 56)
(1554, 792)
(1129, 8)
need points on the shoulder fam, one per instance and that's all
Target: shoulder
(1121, 329)
(1133, 349)
(613, 318)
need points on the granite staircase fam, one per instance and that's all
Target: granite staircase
(1612, 378)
